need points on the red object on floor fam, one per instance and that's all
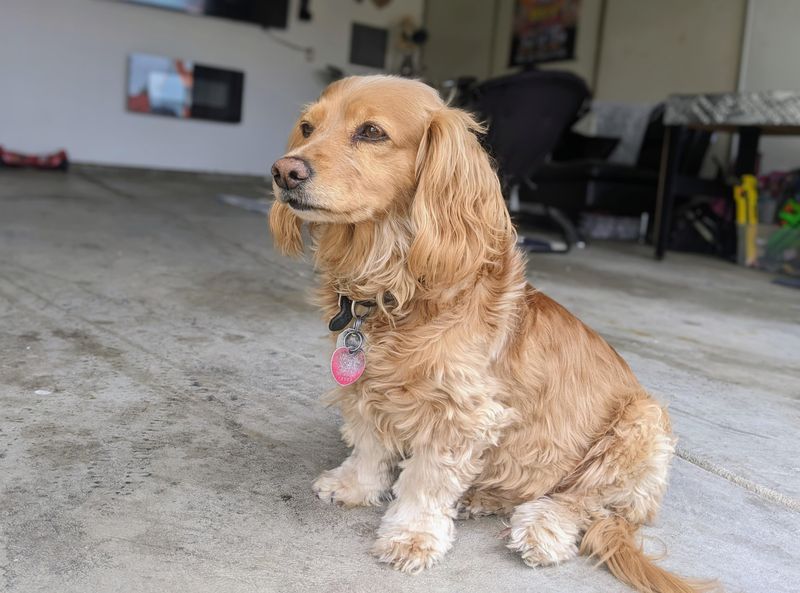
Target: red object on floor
(54, 161)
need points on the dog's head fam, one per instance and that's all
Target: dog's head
(379, 147)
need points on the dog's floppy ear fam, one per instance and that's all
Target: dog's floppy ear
(459, 219)
(286, 229)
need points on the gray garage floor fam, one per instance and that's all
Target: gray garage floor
(160, 426)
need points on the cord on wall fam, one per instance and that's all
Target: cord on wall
(306, 49)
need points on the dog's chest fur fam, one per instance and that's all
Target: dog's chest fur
(433, 371)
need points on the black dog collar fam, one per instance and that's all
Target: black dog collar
(345, 315)
(347, 311)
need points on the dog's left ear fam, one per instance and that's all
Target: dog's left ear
(286, 229)
(459, 219)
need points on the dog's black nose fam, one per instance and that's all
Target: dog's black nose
(290, 171)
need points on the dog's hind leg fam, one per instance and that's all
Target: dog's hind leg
(629, 476)
(624, 474)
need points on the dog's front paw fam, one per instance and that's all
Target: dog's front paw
(411, 550)
(340, 486)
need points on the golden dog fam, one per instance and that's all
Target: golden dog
(488, 396)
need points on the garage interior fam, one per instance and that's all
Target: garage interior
(162, 365)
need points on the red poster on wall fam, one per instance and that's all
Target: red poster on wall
(544, 31)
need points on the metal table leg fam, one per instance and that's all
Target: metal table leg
(665, 200)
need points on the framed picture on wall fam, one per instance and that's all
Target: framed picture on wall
(162, 85)
(543, 31)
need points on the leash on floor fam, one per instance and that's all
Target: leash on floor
(757, 489)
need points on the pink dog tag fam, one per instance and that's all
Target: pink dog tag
(347, 367)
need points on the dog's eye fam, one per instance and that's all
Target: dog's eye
(306, 129)
(370, 132)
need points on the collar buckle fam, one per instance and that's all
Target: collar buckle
(347, 311)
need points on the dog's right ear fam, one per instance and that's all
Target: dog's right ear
(286, 229)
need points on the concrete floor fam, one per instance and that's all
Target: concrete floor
(160, 426)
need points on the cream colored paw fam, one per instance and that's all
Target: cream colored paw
(543, 533)
(412, 551)
(340, 487)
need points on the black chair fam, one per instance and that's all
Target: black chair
(527, 114)
(595, 184)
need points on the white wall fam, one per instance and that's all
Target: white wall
(460, 41)
(652, 48)
(771, 60)
(63, 75)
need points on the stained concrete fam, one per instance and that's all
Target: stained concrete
(160, 371)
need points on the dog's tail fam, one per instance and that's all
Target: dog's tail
(611, 541)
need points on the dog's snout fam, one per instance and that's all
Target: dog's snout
(289, 172)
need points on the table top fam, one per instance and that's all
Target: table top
(775, 112)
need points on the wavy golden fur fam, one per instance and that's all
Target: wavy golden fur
(486, 395)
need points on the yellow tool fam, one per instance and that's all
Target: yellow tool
(751, 193)
(741, 204)
(746, 196)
